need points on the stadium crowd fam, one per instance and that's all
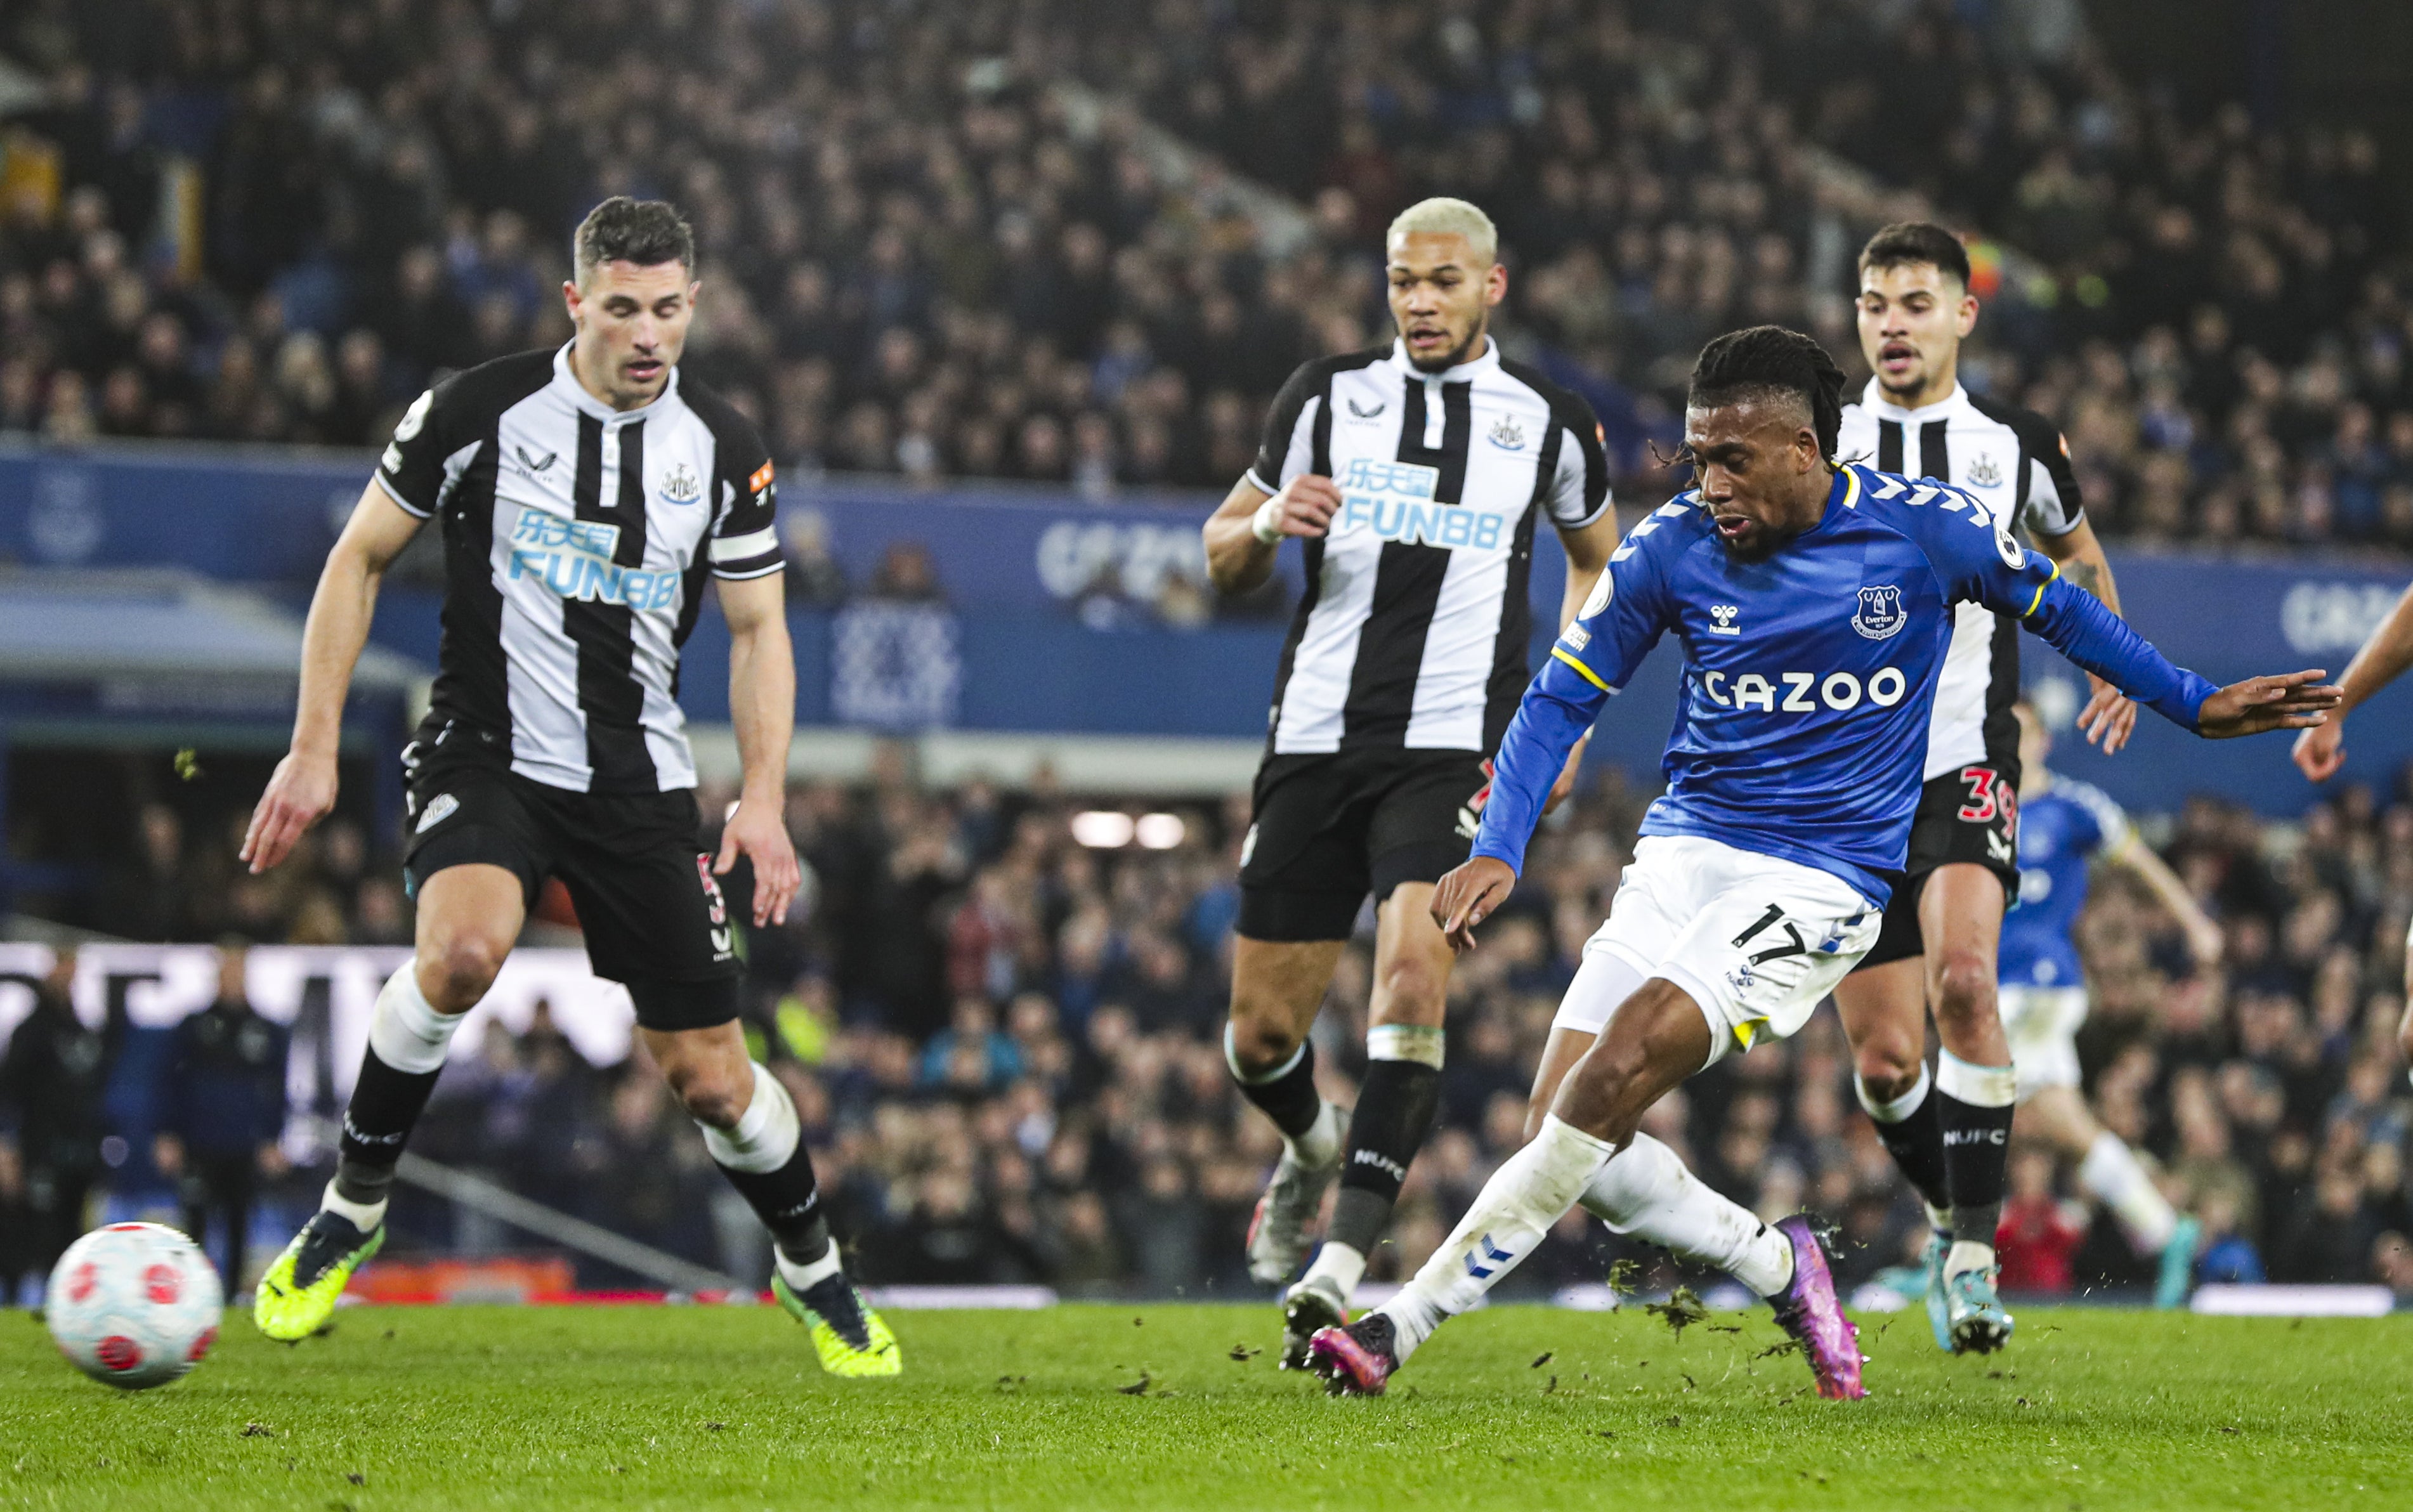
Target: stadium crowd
(930, 255)
(1006, 1049)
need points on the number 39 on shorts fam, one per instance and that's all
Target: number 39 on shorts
(1990, 797)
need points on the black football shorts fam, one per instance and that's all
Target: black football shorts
(1329, 830)
(648, 903)
(1970, 816)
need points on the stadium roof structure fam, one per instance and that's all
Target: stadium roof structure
(78, 626)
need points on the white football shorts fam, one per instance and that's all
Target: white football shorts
(2042, 1023)
(1756, 942)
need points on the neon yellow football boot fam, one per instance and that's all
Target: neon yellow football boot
(297, 1296)
(834, 1339)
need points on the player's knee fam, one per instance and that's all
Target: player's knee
(455, 970)
(1888, 1066)
(2405, 1035)
(711, 1093)
(1412, 990)
(1965, 987)
(1260, 1041)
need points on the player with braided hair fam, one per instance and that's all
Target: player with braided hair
(1814, 601)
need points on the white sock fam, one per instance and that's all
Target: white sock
(2110, 1171)
(766, 1134)
(801, 1275)
(1427, 1046)
(406, 1031)
(1899, 1107)
(1968, 1254)
(1527, 1195)
(364, 1216)
(1338, 1264)
(1322, 1144)
(1647, 1193)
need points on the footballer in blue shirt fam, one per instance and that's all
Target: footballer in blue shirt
(1814, 601)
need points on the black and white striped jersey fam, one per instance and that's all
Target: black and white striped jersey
(2014, 461)
(1413, 629)
(576, 542)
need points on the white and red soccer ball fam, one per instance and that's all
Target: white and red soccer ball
(134, 1304)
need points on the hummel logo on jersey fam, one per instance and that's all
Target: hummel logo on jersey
(1358, 411)
(535, 464)
(1880, 615)
(1985, 474)
(1505, 436)
(1725, 615)
(680, 487)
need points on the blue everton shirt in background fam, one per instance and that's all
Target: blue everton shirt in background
(1808, 676)
(2062, 829)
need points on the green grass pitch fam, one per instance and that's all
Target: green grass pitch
(1101, 1406)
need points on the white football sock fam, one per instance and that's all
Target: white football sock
(802, 1274)
(1321, 1145)
(2110, 1171)
(1968, 1254)
(363, 1216)
(766, 1134)
(406, 1031)
(1647, 1193)
(1339, 1266)
(1528, 1194)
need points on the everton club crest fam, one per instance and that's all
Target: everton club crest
(1880, 615)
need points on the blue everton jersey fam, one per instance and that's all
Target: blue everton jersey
(2061, 830)
(1802, 727)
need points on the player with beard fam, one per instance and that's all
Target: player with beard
(1412, 476)
(1815, 604)
(1949, 1132)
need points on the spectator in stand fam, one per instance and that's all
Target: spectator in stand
(930, 260)
(2040, 1230)
(224, 1113)
(51, 1078)
(814, 580)
(1076, 1095)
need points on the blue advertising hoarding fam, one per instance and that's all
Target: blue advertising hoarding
(1066, 614)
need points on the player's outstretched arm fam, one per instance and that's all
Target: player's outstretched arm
(1557, 712)
(2110, 716)
(2285, 701)
(2320, 752)
(762, 708)
(2077, 625)
(303, 788)
(1247, 528)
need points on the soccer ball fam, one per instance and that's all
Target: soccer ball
(134, 1304)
